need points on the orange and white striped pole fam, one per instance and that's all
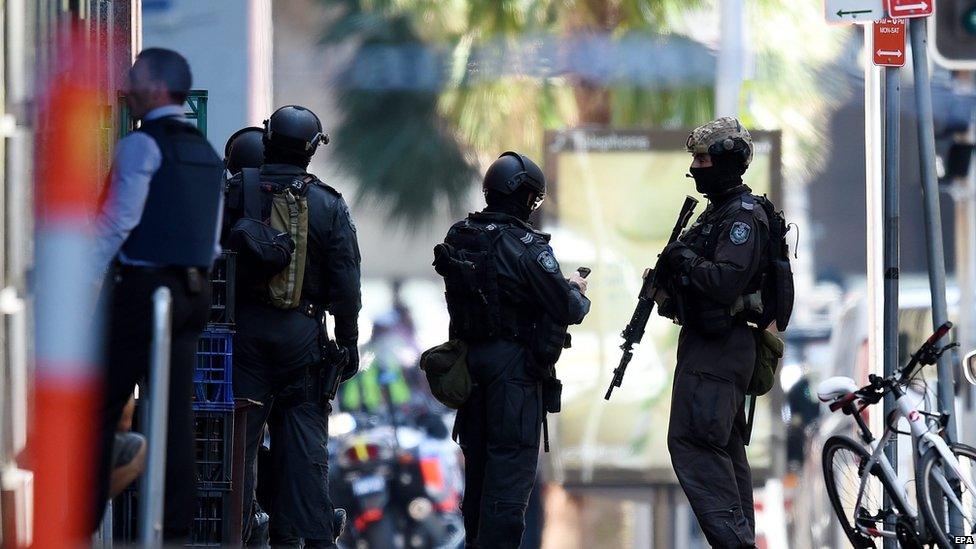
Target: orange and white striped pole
(63, 439)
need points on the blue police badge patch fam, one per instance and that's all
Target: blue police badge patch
(548, 262)
(739, 233)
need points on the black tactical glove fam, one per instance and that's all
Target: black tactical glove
(347, 337)
(352, 367)
(677, 256)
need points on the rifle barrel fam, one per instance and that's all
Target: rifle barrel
(634, 331)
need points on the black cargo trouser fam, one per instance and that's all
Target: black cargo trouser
(127, 301)
(499, 430)
(276, 358)
(706, 430)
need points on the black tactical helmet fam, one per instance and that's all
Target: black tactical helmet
(244, 149)
(513, 170)
(295, 129)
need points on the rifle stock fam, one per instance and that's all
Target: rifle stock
(634, 331)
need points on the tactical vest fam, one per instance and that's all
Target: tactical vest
(179, 222)
(705, 314)
(467, 262)
(769, 295)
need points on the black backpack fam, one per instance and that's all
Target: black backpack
(467, 263)
(263, 251)
(777, 284)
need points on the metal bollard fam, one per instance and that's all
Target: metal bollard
(153, 485)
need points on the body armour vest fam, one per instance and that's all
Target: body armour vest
(179, 221)
(481, 304)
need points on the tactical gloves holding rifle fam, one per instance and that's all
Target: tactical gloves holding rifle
(649, 291)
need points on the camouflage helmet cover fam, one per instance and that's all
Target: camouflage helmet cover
(721, 136)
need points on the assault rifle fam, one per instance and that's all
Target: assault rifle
(634, 331)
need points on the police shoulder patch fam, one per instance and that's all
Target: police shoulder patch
(739, 234)
(548, 262)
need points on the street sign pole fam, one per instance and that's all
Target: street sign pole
(933, 220)
(892, 109)
(874, 184)
(933, 225)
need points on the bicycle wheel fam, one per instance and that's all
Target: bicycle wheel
(936, 483)
(843, 463)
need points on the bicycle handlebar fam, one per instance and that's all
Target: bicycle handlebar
(925, 355)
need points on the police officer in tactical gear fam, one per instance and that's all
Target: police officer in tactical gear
(715, 269)
(244, 149)
(277, 351)
(157, 227)
(508, 287)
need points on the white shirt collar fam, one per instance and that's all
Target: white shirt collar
(165, 110)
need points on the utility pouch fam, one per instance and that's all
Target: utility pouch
(552, 395)
(446, 368)
(783, 276)
(769, 349)
(547, 342)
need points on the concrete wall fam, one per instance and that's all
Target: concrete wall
(228, 44)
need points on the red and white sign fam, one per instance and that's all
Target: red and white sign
(889, 43)
(905, 9)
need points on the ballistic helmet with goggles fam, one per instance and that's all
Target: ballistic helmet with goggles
(513, 171)
(723, 136)
(295, 129)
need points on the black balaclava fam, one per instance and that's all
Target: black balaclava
(274, 154)
(515, 204)
(725, 173)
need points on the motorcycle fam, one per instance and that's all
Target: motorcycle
(400, 485)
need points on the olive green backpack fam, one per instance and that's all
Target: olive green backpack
(288, 215)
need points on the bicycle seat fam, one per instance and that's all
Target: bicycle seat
(835, 388)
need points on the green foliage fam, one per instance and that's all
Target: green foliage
(414, 148)
(403, 154)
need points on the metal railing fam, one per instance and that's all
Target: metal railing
(155, 415)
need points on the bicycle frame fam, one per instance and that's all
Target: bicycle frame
(923, 438)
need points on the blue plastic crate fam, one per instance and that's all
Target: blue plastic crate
(212, 381)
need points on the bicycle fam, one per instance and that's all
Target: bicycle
(944, 473)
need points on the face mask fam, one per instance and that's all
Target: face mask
(709, 180)
(721, 176)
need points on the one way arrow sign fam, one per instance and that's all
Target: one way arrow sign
(889, 43)
(855, 11)
(904, 9)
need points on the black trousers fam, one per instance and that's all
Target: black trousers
(276, 357)
(127, 298)
(499, 430)
(705, 433)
